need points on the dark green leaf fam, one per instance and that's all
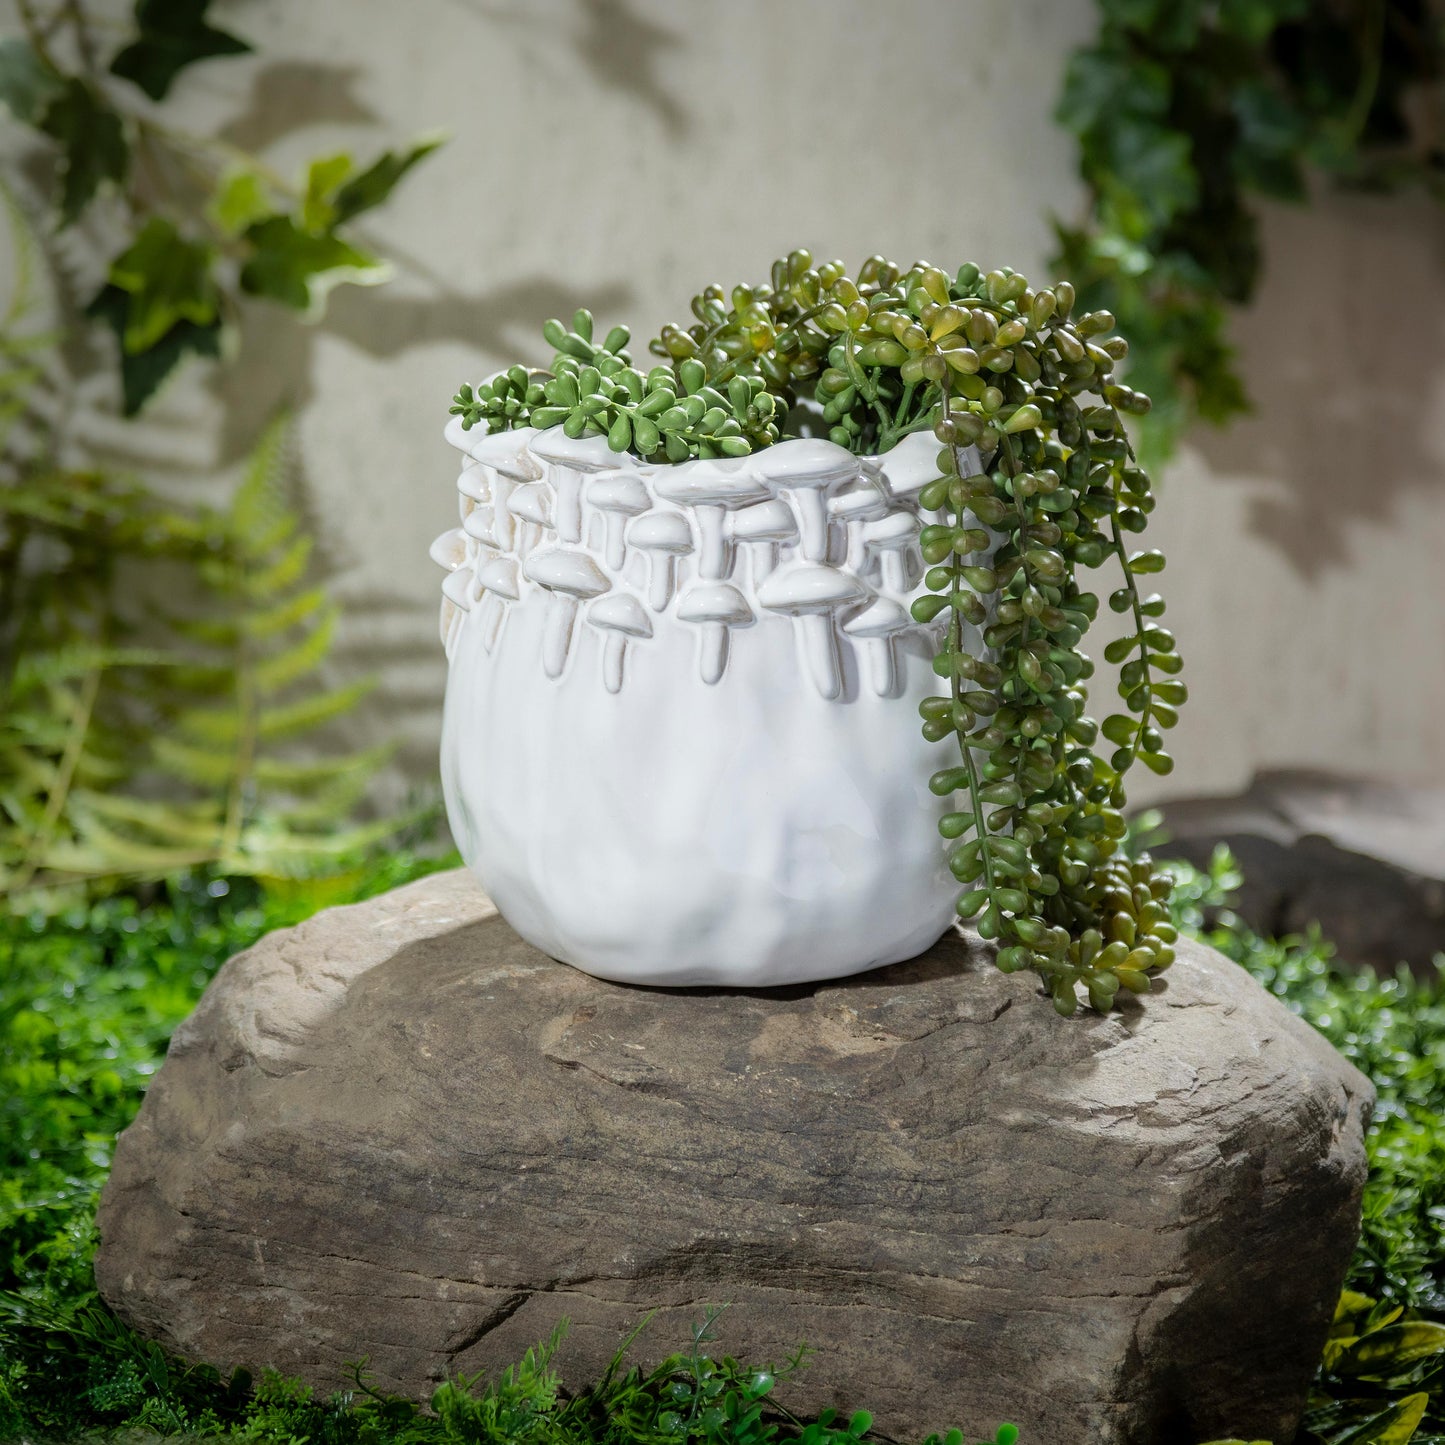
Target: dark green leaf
(173, 35)
(141, 373)
(168, 279)
(1392, 1351)
(1102, 83)
(92, 143)
(377, 182)
(27, 84)
(298, 269)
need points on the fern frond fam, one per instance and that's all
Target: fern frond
(201, 767)
(276, 576)
(196, 825)
(63, 663)
(271, 621)
(279, 671)
(295, 776)
(311, 712)
(260, 519)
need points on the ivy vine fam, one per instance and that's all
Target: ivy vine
(205, 222)
(1185, 112)
(1038, 484)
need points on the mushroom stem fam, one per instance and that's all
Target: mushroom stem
(820, 652)
(613, 650)
(567, 509)
(895, 578)
(616, 543)
(502, 523)
(812, 523)
(765, 558)
(713, 651)
(880, 664)
(659, 592)
(492, 627)
(712, 547)
(557, 633)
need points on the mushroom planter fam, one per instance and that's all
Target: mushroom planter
(681, 733)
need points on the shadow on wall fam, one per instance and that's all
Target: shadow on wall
(1342, 353)
(621, 50)
(274, 367)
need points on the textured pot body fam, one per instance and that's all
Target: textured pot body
(681, 737)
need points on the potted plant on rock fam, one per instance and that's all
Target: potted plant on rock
(688, 609)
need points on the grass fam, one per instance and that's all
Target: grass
(88, 999)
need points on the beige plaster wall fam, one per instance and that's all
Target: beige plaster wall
(623, 152)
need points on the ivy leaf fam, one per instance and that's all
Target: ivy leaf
(1152, 164)
(296, 268)
(168, 279)
(141, 373)
(92, 143)
(27, 84)
(173, 35)
(1272, 135)
(323, 176)
(1254, 21)
(1102, 83)
(240, 201)
(377, 182)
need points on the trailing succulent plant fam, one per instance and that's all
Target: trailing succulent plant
(1037, 483)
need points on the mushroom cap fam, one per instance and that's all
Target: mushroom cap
(805, 462)
(728, 482)
(582, 454)
(500, 449)
(449, 550)
(897, 529)
(532, 502)
(661, 532)
(769, 521)
(714, 602)
(500, 576)
(620, 612)
(618, 492)
(810, 587)
(479, 524)
(883, 617)
(457, 586)
(561, 569)
(473, 482)
(862, 498)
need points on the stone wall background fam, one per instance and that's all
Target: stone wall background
(621, 153)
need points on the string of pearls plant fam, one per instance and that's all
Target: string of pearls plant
(988, 362)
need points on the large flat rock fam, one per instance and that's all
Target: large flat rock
(399, 1132)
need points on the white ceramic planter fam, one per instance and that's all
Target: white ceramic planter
(681, 742)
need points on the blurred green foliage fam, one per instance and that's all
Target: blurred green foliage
(1392, 1028)
(1188, 111)
(204, 222)
(162, 702)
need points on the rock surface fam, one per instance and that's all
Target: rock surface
(398, 1131)
(1363, 859)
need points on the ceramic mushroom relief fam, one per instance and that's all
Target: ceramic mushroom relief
(681, 735)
